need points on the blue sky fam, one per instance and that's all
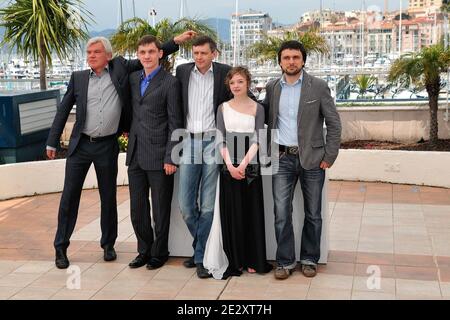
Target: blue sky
(284, 11)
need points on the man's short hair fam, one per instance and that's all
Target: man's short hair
(149, 39)
(201, 40)
(104, 41)
(294, 45)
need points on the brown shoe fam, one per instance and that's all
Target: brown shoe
(309, 270)
(282, 273)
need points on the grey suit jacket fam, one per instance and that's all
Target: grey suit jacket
(155, 116)
(316, 106)
(221, 93)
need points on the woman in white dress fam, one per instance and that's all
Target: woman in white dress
(241, 202)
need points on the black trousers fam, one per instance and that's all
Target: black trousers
(104, 155)
(154, 244)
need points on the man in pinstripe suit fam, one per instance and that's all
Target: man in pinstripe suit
(155, 96)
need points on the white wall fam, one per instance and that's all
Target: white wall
(401, 124)
(404, 167)
(39, 177)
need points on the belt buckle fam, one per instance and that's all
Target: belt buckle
(292, 150)
(91, 139)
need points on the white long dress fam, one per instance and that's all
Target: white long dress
(215, 260)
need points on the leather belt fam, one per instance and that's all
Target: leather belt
(289, 150)
(98, 139)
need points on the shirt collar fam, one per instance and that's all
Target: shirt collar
(298, 82)
(106, 69)
(151, 75)
(209, 70)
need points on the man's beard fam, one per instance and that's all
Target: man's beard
(292, 73)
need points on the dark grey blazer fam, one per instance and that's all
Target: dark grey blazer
(316, 106)
(77, 91)
(221, 93)
(155, 116)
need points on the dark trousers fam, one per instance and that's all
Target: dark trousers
(104, 156)
(161, 185)
(283, 187)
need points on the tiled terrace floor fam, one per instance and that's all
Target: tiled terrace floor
(402, 230)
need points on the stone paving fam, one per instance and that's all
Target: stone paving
(399, 232)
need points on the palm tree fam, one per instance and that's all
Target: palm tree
(267, 48)
(364, 82)
(125, 40)
(424, 67)
(37, 28)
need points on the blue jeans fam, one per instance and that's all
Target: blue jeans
(283, 186)
(198, 172)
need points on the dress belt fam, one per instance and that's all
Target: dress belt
(289, 149)
(98, 139)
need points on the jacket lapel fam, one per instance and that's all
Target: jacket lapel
(84, 93)
(217, 84)
(113, 76)
(135, 84)
(306, 87)
(185, 88)
(276, 102)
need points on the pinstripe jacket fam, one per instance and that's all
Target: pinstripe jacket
(156, 115)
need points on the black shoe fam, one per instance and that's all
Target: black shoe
(155, 263)
(189, 263)
(61, 260)
(202, 273)
(109, 254)
(139, 261)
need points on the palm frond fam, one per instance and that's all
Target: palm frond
(267, 48)
(422, 70)
(125, 39)
(38, 28)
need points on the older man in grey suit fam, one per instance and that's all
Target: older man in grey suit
(156, 104)
(296, 106)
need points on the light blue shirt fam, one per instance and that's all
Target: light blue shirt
(288, 112)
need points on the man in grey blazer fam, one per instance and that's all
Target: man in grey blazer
(296, 105)
(202, 90)
(155, 96)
